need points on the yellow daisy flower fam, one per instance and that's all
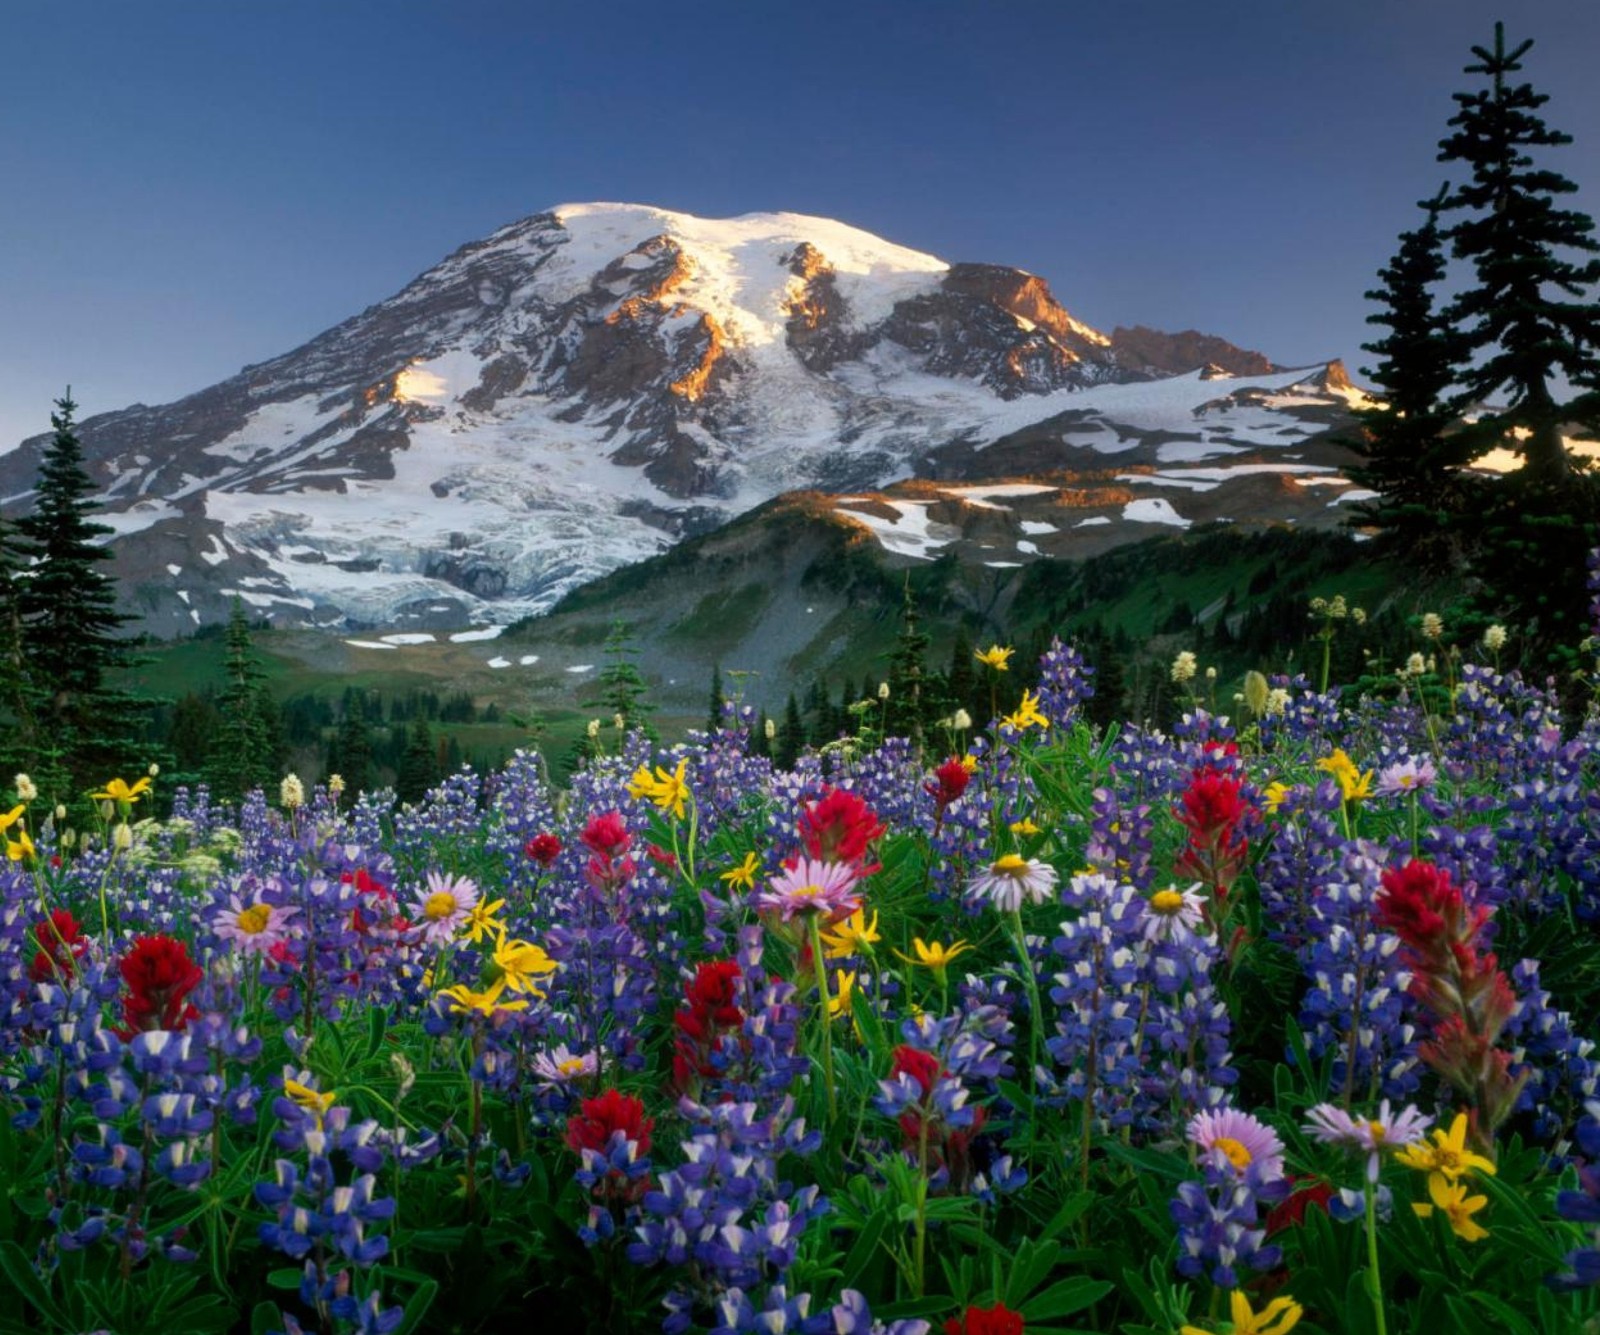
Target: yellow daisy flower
(743, 877)
(995, 657)
(855, 935)
(668, 791)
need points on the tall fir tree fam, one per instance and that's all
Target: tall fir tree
(1532, 331)
(1525, 321)
(16, 697)
(1415, 461)
(419, 765)
(242, 755)
(71, 624)
(714, 716)
(622, 685)
(903, 716)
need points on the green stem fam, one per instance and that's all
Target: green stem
(1374, 1287)
(1035, 1019)
(919, 1262)
(825, 1003)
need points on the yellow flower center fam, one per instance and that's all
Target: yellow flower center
(254, 919)
(1170, 901)
(440, 904)
(1012, 864)
(1238, 1156)
(807, 891)
(572, 1066)
(1379, 1131)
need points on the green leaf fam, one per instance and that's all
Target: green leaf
(377, 1023)
(417, 1306)
(862, 1249)
(1063, 1299)
(14, 1261)
(286, 1278)
(265, 1318)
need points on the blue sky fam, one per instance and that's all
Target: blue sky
(192, 185)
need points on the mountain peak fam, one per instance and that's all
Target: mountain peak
(586, 385)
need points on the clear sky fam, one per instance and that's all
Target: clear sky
(187, 186)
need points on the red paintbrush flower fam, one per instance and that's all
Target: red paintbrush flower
(606, 836)
(838, 828)
(600, 1118)
(61, 945)
(949, 781)
(159, 975)
(996, 1320)
(543, 849)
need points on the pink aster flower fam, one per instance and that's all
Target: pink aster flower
(1235, 1139)
(812, 887)
(560, 1066)
(1331, 1125)
(253, 929)
(1012, 879)
(1173, 914)
(1405, 777)
(445, 908)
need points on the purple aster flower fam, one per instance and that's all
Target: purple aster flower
(1331, 1125)
(445, 908)
(1405, 777)
(812, 887)
(1173, 914)
(1012, 879)
(253, 928)
(1229, 1137)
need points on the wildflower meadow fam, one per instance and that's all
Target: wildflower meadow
(1278, 1019)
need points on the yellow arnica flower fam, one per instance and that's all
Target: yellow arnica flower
(463, 999)
(854, 936)
(1280, 1315)
(118, 791)
(1024, 828)
(11, 817)
(523, 965)
(844, 987)
(20, 847)
(1458, 1207)
(1027, 715)
(1353, 784)
(1448, 1155)
(481, 922)
(304, 1096)
(935, 956)
(668, 791)
(1275, 794)
(996, 657)
(743, 877)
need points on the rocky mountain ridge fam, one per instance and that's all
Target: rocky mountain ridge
(587, 385)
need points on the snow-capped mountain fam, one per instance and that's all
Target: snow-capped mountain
(585, 386)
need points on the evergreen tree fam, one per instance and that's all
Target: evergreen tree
(714, 718)
(194, 723)
(961, 683)
(791, 738)
(904, 715)
(1414, 462)
(16, 697)
(1521, 333)
(419, 766)
(1532, 333)
(622, 686)
(242, 756)
(70, 622)
(352, 747)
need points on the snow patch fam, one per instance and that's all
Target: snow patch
(473, 636)
(1156, 510)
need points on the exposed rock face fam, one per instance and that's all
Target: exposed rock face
(1160, 354)
(577, 390)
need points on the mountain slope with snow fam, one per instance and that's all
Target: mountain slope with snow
(585, 386)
